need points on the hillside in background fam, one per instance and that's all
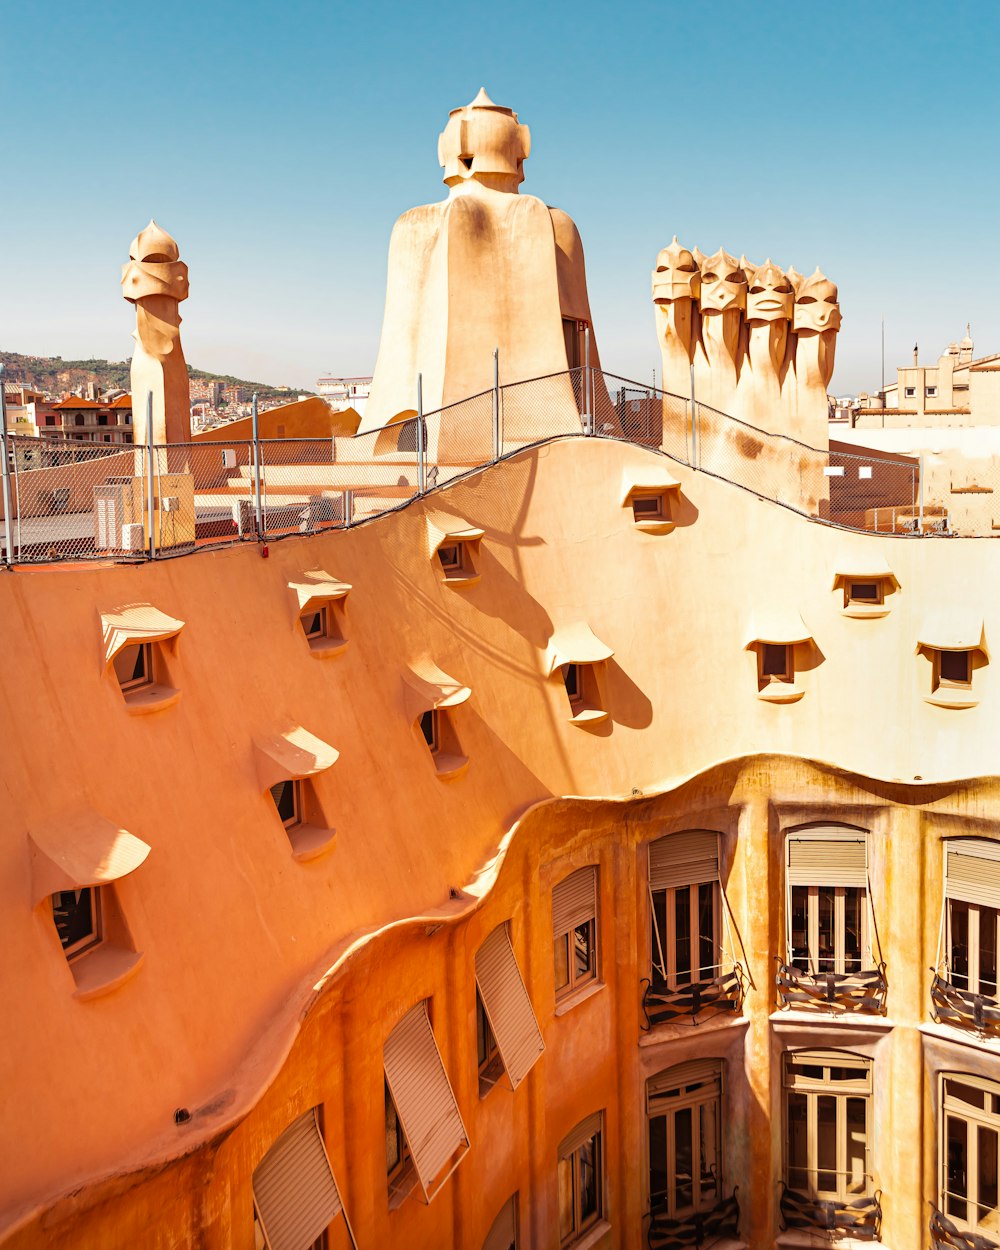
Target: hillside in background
(58, 377)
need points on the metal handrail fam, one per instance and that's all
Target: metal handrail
(691, 1231)
(946, 1235)
(662, 1003)
(860, 1218)
(963, 1008)
(866, 990)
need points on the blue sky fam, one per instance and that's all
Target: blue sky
(278, 143)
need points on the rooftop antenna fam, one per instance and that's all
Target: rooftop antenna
(883, 362)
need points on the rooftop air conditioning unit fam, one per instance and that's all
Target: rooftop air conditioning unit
(132, 537)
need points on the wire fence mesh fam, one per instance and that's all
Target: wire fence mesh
(79, 501)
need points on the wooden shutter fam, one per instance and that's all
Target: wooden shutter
(503, 1234)
(972, 871)
(828, 857)
(294, 1189)
(422, 1093)
(687, 858)
(574, 900)
(508, 1006)
(695, 1072)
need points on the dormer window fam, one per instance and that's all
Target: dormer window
(866, 582)
(579, 657)
(287, 764)
(320, 602)
(140, 646)
(783, 645)
(454, 548)
(76, 863)
(429, 697)
(955, 646)
(652, 494)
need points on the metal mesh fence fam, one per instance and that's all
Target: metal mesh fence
(77, 501)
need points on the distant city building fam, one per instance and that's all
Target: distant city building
(90, 421)
(956, 390)
(341, 393)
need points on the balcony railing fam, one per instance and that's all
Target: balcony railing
(963, 1009)
(860, 1218)
(832, 991)
(661, 1003)
(688, 1232)
(948, 1236)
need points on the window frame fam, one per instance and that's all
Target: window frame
(665, 944)
(581, 1223)
(909, 392)
(812, 957)
(694, 1094)
(456, 566)
(322, 615)
(298, 802)
(133, 684)
(851, 584)
(658, 510)
(576, 981)
(95, 936)
(401, 1175)
(941, 682)
(787, 672)
(489, 1062)
(976, 1120)
(431, 720)
(973, 975)
(825, 1087)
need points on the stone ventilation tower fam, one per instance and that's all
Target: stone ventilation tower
(487, 268)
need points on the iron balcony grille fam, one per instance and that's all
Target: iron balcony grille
(661, 1003)
(689, 1232)
(948, 1236)
(860, 1218)
(964, 1009)
(832, 991)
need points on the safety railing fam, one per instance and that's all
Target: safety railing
(662, 1003)
(963, 1009)
(859, 1218)
(66, 499)
(694, 1230)
(946, 1235)
(865, 990)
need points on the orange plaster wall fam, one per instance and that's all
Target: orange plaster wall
(202, 1020)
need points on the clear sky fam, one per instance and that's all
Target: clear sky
(279, 142)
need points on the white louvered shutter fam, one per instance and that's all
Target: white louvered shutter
(574, 900)
(972, 871)
(828, 857)
(294, 1188)
(422, 1093)
(508, 1006)
(687, 858)
(702, 1072)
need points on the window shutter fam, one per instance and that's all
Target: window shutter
(294, 1189)
(972, 871)
(687, 858)
(583, 1132)
(425, 1103)
(696, 1072)
(574, 900)
(508, 1006)
(503, 1234)
(828, 857)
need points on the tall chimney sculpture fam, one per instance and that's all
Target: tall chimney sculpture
(155, 280)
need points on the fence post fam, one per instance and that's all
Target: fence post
(255, 434)
(150, 493)
(920, 470)
(420, 434)
(8, 520)
(588, 416)
(694, 425)
(496, 404)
